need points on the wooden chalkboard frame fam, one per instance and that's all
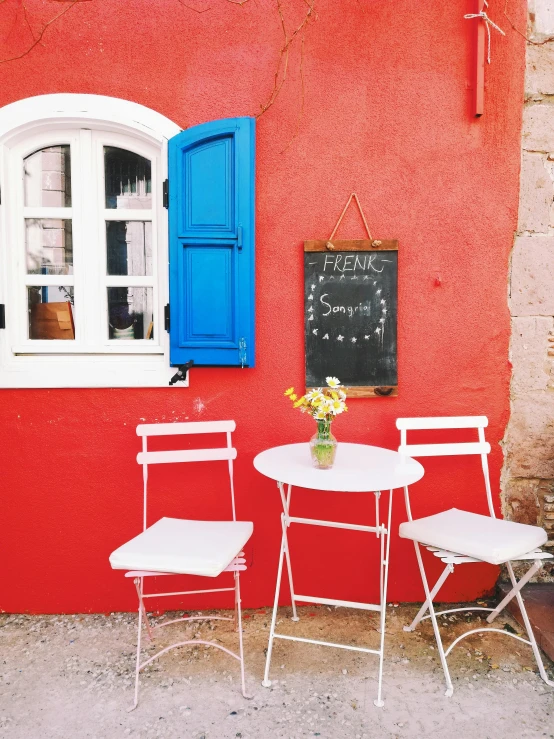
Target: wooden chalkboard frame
(358, 245)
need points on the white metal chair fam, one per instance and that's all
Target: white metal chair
(459, 537)
(174, 546)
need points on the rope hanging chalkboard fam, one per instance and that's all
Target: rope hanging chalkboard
(351, 298)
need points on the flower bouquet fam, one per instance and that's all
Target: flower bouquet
(323, 404)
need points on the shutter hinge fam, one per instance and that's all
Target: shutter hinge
(165, 193)
(166, 317)
(2, 315)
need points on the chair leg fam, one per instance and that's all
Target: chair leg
(139, 585)
(449, 686)
(531, 635)
(266, 682)
(425, 607)
(237, 596)
(139, 635)
(239, 619)
(516, 587)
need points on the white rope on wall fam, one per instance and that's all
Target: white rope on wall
(488, 23)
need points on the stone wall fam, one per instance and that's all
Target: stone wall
(528, 475)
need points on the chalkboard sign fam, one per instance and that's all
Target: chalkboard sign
(351, 296)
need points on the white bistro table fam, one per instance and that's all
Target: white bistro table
(358, 468)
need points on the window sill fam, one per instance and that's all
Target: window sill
(87, 371)
(44, 348)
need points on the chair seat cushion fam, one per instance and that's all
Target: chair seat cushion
(489, 539)
(184, 547)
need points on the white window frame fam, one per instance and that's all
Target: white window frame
(34, 123)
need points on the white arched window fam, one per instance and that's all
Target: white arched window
(83, 247)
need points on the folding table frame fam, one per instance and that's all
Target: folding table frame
(382, 533)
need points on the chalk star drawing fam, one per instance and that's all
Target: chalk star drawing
(354, 278)
(310, 297)
(342, 277)
(325, 336)
(378, 330)
(384, 311)
(332, 277)
(340, 338)
(321, 278)
(315, 331)
(311, 309)
(311, 318)
(366, 336)
(313, 287)
(377, 292)
(353, 339)
(383, 302)
(382, 320)
(366, 277)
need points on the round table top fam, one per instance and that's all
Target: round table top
(358, 468)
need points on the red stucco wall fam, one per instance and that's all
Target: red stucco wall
(387, 113)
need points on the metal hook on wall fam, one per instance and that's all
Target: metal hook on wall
(182, 372)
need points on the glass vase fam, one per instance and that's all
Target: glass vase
(323, 446)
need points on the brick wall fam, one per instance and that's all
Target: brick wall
(528, 474)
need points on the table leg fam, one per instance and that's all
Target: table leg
(381, 538)
(286, 506)
(384, 579)
(266, 682)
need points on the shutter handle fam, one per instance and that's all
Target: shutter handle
(242, 351)
(239, 238)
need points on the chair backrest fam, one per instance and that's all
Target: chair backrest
(146, 458)
(480, 447)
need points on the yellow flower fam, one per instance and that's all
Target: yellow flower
(318, 401)
(289, 391)
(332, 381)
(334, 396)
(320, 416)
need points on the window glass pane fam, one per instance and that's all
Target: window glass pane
(51, 312)
(128, 179)
(129, 247)
(48, 246)
(47, 178)
(130, 312)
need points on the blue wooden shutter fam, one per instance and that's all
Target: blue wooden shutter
(211, 243)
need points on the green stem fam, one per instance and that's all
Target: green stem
(324, 429)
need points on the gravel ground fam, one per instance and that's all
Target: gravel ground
(72, 676)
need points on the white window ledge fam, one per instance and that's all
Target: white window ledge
(87, 371)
